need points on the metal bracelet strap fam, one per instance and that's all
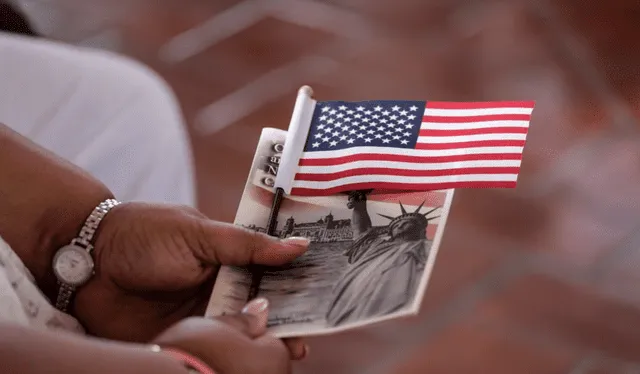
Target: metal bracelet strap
(84, 240)
(91, 224)
(64, 295)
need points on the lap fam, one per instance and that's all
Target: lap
(105, 113)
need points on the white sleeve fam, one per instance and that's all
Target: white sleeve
(10, 306)
(21, 302)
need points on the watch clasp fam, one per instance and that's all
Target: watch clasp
(81, 242)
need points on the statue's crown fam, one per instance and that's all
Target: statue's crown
(416, 215)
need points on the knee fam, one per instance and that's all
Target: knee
(145, 95)
(147, 118)
(153, 149)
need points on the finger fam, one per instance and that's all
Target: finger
(277, 353)
(297, 348)
(252, 321)
(203, 297)
(226, 244)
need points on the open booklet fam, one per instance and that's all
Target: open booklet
(370, 257)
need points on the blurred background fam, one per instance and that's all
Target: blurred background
(541, 279)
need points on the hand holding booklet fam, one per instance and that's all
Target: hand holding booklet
(370, 184)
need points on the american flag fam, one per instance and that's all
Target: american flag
(412, 145)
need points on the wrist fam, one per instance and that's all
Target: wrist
(59, 225)
(44, 201)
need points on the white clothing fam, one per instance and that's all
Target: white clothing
(21, 302)
(105, 113)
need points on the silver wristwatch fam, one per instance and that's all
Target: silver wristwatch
(73, 264)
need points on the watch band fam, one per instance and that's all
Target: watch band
(93, 221)
(64, 296)
(84, 240)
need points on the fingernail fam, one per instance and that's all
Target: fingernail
(297, 240)
(259, 309)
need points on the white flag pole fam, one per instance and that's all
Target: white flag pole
(296, 139)
(293, 147)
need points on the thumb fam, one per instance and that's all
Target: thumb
(227, 244)
(252, 321)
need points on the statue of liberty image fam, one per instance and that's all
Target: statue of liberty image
(385, 264)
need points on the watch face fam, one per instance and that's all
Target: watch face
(73, 265)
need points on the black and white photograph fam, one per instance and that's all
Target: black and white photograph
(369, 259)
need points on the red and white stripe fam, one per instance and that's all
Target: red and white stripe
(460, 145)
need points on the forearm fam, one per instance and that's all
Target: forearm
(44, 201)
(28, 351)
